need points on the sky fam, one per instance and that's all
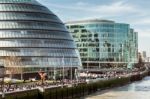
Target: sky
(134, 12)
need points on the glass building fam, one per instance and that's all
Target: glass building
(33, 38)
(104, 43)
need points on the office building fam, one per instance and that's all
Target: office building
(105, 43)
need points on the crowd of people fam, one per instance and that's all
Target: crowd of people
(105, 75)
(108, 74)
(8, 88)
(66, 82)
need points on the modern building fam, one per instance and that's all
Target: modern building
(144, 56)
(147, 59)
(34, 38)
(133, 47)
(105, 43)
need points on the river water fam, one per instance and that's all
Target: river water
(136, 90)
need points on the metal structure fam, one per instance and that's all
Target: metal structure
(33, 33)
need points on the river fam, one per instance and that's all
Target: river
(136, 90)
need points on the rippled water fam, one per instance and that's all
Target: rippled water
(136, 90)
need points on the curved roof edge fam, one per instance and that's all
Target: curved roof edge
(90, 20)
(21, 1)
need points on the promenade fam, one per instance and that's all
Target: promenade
(84, 78)
(86, 84)
(12, 88)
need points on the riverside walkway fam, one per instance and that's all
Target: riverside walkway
(70, 92)
(37, 85)
(75, 88)
(10, 88)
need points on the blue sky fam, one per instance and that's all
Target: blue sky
(134, 12)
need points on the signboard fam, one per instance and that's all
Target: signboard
(2, 71)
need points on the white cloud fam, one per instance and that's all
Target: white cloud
(143, 21)
(143, 33)
(115, 8)
(84, 10)
(80, 3)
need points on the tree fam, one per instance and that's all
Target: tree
(13, 65)
(140, 59)
(140, 63)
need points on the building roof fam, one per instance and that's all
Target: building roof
(90, 20)
(19, 1)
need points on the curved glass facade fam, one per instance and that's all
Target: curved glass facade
(104, 43)
(33, 34)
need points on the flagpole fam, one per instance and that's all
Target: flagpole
(54, 72)
(71, 69)
(63, 67)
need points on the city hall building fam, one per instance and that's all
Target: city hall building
(34, 38)
(105, 43)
